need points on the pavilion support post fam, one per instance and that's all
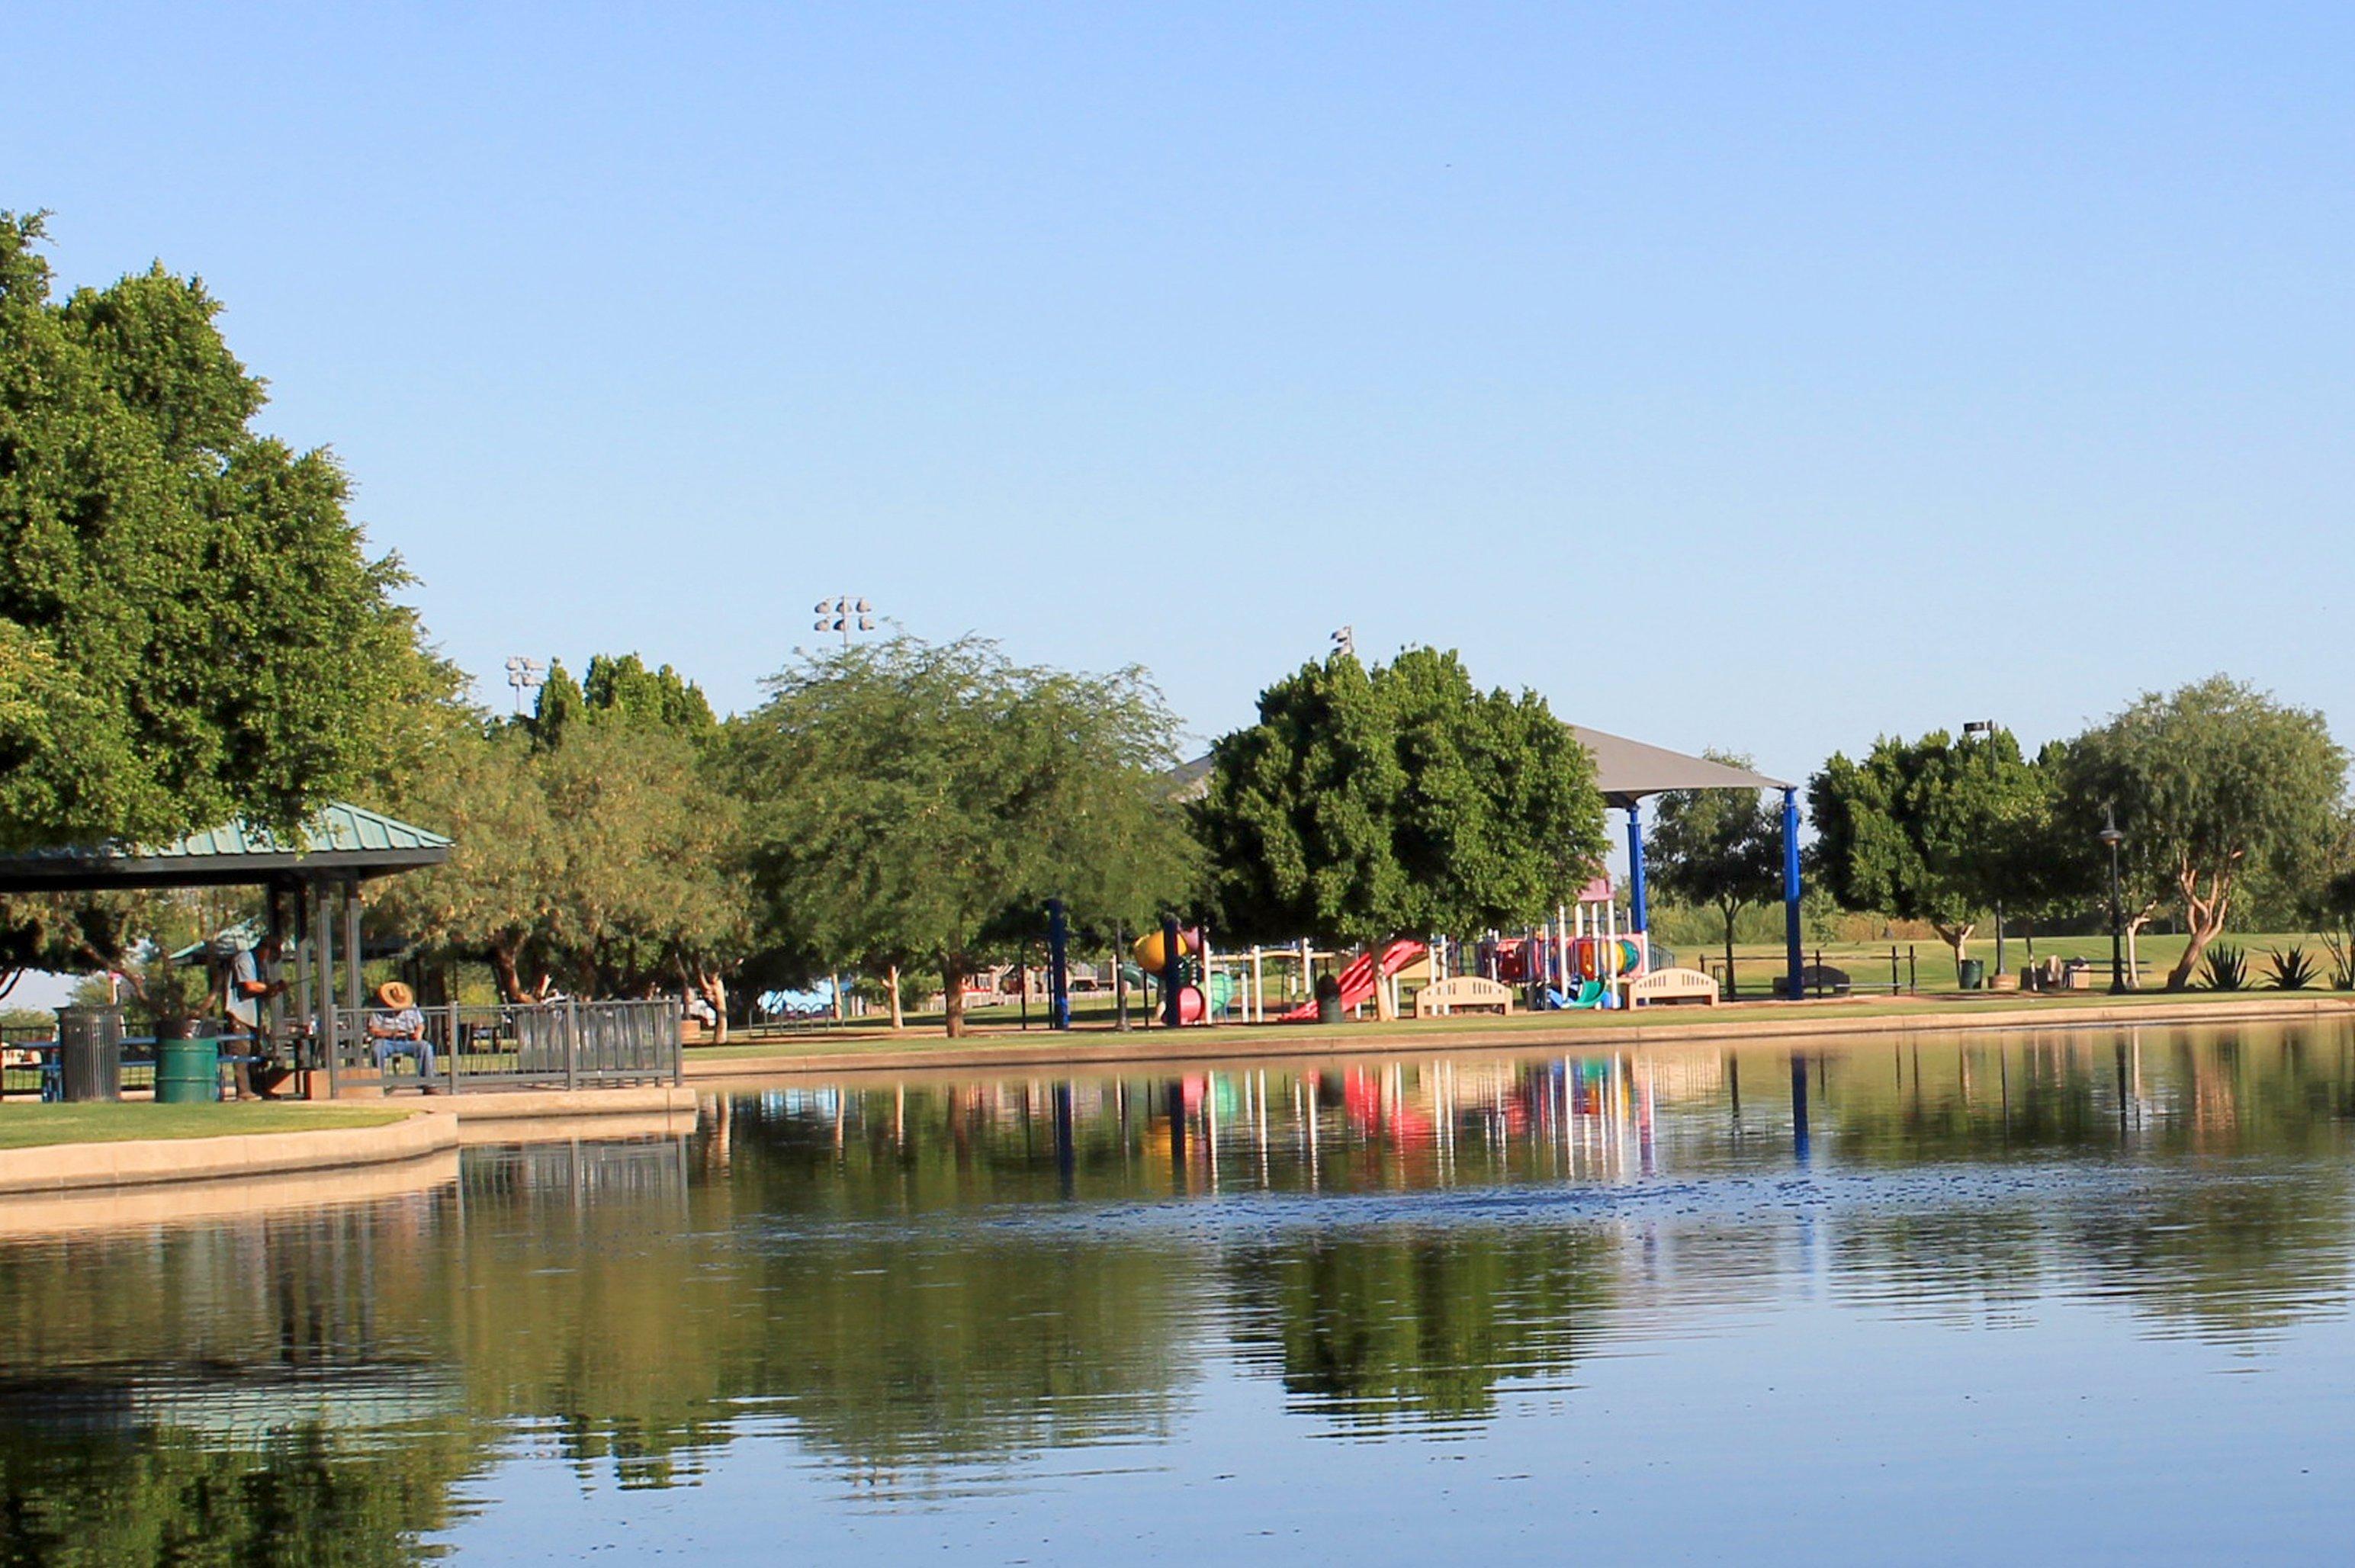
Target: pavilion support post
(354, 998)
(1792, 985)
(1639, 908)
(323, 968)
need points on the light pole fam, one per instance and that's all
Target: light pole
(1984, 729)
(845, 614)
(526, 675)
(2111, 838)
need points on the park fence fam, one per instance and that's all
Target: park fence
(550, 1045)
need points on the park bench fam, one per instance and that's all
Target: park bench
(1670, 985)
(1462, 993)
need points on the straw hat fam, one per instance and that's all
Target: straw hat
(396, 994)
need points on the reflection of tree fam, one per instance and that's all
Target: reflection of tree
(1370, 1325)
(301, 1496)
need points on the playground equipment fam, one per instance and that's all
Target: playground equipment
(1182, 968)
(1359, 980)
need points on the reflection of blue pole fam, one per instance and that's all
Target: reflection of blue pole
(1058, 965)
(1170, 1018)
(1800, 1106)
(1792, 988)
(1639, 909)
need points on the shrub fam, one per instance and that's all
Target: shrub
(2292, 970)
(2225, 968)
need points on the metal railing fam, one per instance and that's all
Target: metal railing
(552, 1045)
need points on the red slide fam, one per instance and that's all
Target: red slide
(1358, 979)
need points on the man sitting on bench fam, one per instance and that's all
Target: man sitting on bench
(399, 1030)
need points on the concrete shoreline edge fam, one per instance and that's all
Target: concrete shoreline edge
(431, 1128)
(1145, 1048)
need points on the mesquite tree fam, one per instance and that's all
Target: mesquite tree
(2207, 781)
(916, 802)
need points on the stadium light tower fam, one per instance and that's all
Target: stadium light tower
(845, 615)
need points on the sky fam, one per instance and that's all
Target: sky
(1762, 377)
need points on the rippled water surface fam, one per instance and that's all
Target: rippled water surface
(2070, 1296)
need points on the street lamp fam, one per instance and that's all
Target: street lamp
(2111, 838)
(845, 615)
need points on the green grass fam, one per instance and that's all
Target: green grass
(39, 1126)
(923, 1034)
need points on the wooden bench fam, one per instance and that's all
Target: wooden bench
(1671, 985)
(1462, 994)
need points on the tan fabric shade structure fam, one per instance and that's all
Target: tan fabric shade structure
(1626, 771)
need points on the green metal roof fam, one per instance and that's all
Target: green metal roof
(342, 839)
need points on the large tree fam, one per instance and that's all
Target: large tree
(1400, 800)
(1930, 829)
(2209, 782)
(914, 802)
(191, 628)
(1722, 847)
(606, 861)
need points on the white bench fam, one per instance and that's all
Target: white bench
(1671, 985)
(1462, 993)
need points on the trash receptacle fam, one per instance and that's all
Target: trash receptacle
(1972, 973)
(188, 1069)
(90, 1053)
(1328, 999)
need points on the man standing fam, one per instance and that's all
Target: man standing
(253, 980)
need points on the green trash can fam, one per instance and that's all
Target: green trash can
(188, 1072)
(1972, 973)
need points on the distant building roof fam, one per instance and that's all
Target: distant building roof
(1625, 771)
(347, 839)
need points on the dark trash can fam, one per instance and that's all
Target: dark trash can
(187, 1069)
(1328, 999)
(90, 1054)
(1972, 973)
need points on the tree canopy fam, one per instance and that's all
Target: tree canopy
(910, 802)
(191, 628)
(1396, 800)
(1931, 829)
(1719, 847)
(2209, 783)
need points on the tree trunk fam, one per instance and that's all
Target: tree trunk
(952, 997)
(1732, 991)
(1958, 937)
(2203, 921)
(502, 968)
(891, 976)
(715, 991)
(1385, 1005)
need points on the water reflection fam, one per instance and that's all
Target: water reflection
(924, 1286)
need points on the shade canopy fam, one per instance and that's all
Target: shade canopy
(342, 841)
(1626, 771)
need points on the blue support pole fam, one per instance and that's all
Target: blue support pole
(1058, 965)
(1792, 985)
(1171, 1017)
(1639, 906)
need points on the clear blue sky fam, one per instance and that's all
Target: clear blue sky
(1756, 376)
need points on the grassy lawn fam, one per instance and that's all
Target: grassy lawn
(37, 1126)
(1092, 1030)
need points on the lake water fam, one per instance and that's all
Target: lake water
(2075, 1296)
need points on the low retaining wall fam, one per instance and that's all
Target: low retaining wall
(74, 1168)
(432, 1127)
